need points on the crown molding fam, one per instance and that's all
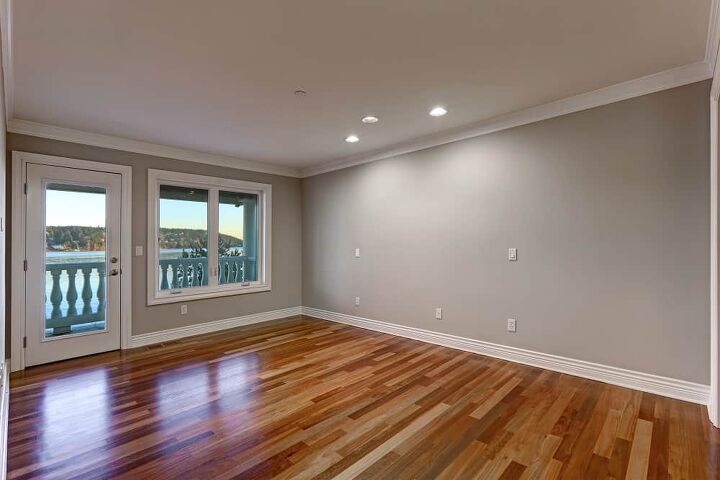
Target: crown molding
(53, 132)
(675, 77)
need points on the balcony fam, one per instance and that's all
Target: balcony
(179, 273)
(65, 308)
(76, 297)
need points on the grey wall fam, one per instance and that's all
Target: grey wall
(286, 251)
(609, 210)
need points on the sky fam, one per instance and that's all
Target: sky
(74, 208)
(88, 210)
(184, 214)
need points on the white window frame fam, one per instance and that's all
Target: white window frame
(213, 185)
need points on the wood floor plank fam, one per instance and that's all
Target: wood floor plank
(640, 451)
(303, 398)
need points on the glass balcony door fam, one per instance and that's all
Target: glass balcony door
(73, 263)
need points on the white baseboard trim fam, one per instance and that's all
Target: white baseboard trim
(668, 387)
(210, 327)
(4, 417)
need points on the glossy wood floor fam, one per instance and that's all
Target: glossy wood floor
(305, 398)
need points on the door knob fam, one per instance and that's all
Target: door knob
(114, 272)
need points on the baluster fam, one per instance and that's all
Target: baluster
(101, 289)
(55, 293)
(86, 291)
(244, 270)
(175, 276)
(71, 296)
(236, 271)
(163, 280)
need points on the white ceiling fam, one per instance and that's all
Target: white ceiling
(218, 76)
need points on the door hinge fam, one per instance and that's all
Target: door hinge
(24, 342)
(25, 189)
(25, 265)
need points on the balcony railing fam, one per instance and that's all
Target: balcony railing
(178, 273)
(77, 290)
(73, 299)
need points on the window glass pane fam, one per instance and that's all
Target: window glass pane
(74, 259)
(238, 237)
(183, 247)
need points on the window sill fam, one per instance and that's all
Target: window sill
(189, 297)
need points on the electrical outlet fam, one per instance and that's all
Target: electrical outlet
(183, 309)
(438, 313)
(512, 254)
(512, 325)
(357, 253)
(357, 301)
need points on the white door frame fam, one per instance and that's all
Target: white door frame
(17, 306)
(714, 400)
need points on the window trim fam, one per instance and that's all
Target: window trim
(155, 296)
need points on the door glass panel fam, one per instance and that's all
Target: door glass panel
(75, 259)
(238, 237)
(183, 242)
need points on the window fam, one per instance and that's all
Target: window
(207, 237)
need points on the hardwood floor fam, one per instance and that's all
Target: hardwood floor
(306, 398)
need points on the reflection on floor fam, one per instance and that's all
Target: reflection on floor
(306, 398)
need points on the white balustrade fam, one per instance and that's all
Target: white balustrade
(62, 308)
(178, 273)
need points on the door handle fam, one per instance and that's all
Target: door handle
(114, 272)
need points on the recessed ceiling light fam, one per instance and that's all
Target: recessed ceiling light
(352, 139)
(370, 119)
(438, 112)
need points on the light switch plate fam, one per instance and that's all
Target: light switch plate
(512, 254)
(357, 253)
